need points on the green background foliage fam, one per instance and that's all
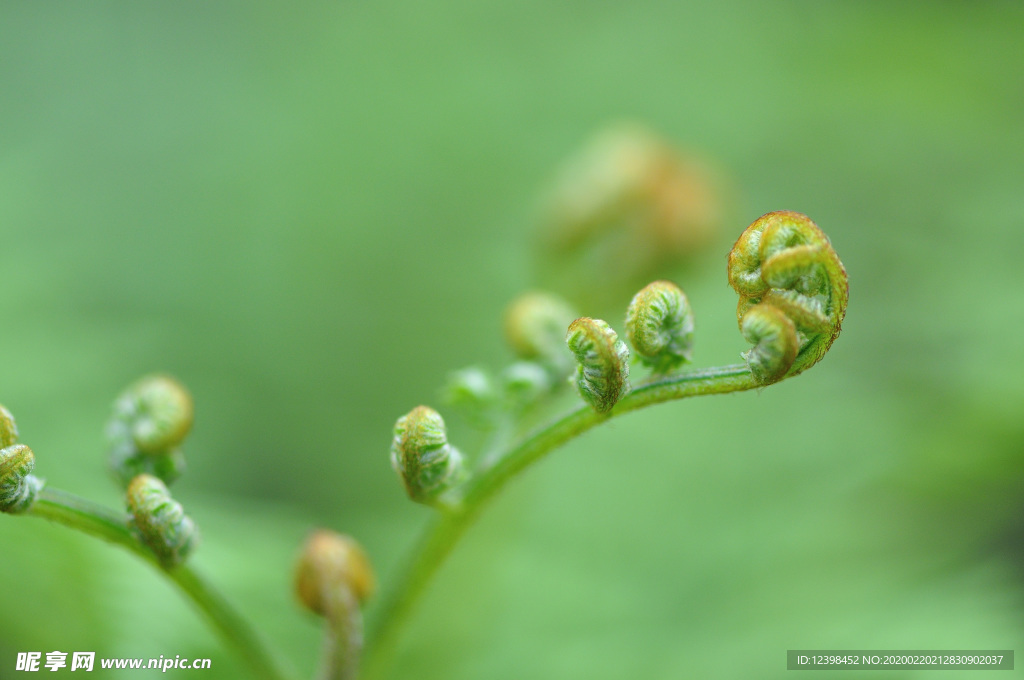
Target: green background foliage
(310, 213)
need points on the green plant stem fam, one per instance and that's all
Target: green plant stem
(452, 522)
(95, 520)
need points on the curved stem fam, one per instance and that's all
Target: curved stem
(452, 523)
(90, 518)
(95, 520)
(233, 629)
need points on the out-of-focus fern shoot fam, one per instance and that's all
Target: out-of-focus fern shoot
(626, 209)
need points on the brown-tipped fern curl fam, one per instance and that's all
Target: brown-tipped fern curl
(783, 260)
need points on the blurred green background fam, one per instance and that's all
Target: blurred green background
(310, 213)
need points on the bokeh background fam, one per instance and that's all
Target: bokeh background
(310, 213)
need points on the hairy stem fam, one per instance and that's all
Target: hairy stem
(343, 644)
(95, 520)
(452, 523)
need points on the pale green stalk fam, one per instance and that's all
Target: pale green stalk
(95, 520)
(452, 522)
(344, 641)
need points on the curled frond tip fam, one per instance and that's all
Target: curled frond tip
(18, 486)
(783, 260)
(534, 327)
(602, 372)
(422, 456)
(659, 325)
(161, 521)
(150, 421)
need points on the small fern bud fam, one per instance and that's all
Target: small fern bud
(161, 522)
(330, 561)
(18, 486)
(158, 411)
(333, 578)
(471, 390)
(602, 373)
(525, 382)
(151, 418)
(469, 386)
(775, 342)
(8, 428)
(422, 456)
(535, 327)
(659, 325)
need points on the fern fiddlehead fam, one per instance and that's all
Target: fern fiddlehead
(150, 420)
(161, 521)
(534, 327)
(602, 374)
(333, 578)
(783, 260)
(18, 486)
(422, 456)
(659, 325)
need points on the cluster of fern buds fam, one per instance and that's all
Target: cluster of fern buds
(793, 294)
(150, 422)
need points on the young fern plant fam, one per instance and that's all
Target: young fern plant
(793, 294)
(151, 420)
